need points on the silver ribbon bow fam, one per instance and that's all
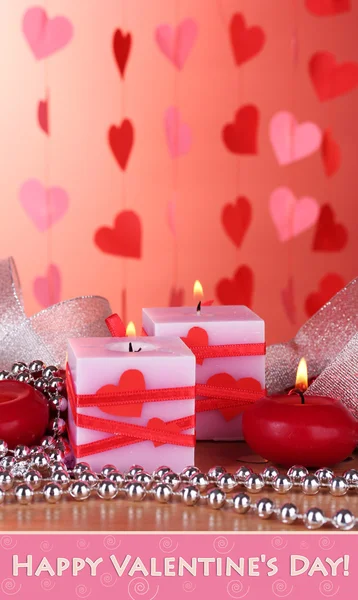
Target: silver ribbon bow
(329, 342)
(44, 336)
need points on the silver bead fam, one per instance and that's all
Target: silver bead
(254, 483)
(227, 482)
(242, 503)
(36, 366)
(215, 472)
(3, 448)
(49, 372)
(188, 472)
(269, 474)
(33, 478)
(61, 477)
(282, 484)
(288, 513)
(107, 490)
(40, 461)
(200, 480)
(80, 468)
(310, 485)
(80, 490)
(162, 492)
(21, 451)
(6, 480)
(173, 480)
(48, 441)
(58, 466)
(89, 477)
(135, 491)
(133, 471)
(344, 520)
(4, 375)
(161, 471)
(324, 476)
(117, 478)
(52, 492)
(216, 498)
(62, 403)
(18, 367)
(56, 385)
(41, 384)
(23, 377)
(338, 486)
(2, 496)
(297, 473)
(107, 469)
(190, 495)
(265, 508)
(351, 477)
(8, 462)
(314, 518)
(58, 425)
(56, 456)
(24, 493)
(36, 450)
(243, 473)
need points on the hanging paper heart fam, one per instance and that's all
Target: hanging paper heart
(291, 216)
(197, 336)
(330, 236)
(246, 42)
(124, 239)
(331, 79)
(121, 48)
(288, 301)
(240, 137)
(44, 206)
(121, 140)
(176, 297)
(328, 287)
(178, 133)
(47, 289)
(42, 115)
(239, 289)
(323, 8)
(331, 153)
(177, 43)
(129, 380)
(224, 380)
(45, 36)
(159, 424)
(292, 141)
(236, 219)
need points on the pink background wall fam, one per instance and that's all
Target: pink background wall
(88, 95)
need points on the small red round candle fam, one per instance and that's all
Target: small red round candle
(24, 413)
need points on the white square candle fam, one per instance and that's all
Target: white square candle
(235, 326)
(161, 363)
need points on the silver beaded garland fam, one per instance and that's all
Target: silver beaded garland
(216, 498)
(243, 473)
(162, 492)
(324, 476)
(227, 482)
(269, 474)
(52, 492)
(265, 508)
(310, 485)
(33, 478)
(288, 513)
(215, 472)
(24, 493)
(338, 486)
(190, 495)
(107, 489)
(79, 490)
(351, 478)
(135, 491)
(314, 518)
(107, 469)
(241, 503)
(174, 481)
(254, 483)
(161, 471)
(282, 484)
(297, 473)
(344, 520)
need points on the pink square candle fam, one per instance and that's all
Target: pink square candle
(164, 362)
(224, 325)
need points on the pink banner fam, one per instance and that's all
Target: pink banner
(176, 566)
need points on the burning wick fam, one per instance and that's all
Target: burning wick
(198, 309)
(131, 348)
(301, 380)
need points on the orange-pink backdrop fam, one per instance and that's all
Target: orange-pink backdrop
(179, 201)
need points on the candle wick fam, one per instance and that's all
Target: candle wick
(130, 347)
(139, 349)
(198, 309)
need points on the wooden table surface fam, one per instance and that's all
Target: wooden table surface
(149, 515)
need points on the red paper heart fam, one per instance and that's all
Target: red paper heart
(176, 297)
(331, 154)
(42, 115)
(238, 290)
(236, 219)
(197, 336)
(125, 237)
(323, 8)
(121, 140)
(240, 137)
(330, 236)
(121, 48)
(330, 79)
(328, 287)
(246, 42)
(225, 380)
(157, 423)
(129, 380)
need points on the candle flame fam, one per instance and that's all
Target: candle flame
(131, 330)
(198, 291)
(302, 377)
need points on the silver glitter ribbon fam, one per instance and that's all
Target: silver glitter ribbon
(329, 343)
(44, 336)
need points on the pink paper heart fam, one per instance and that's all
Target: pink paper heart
(47, 289)
(291, 216)
(178, 133)
(45, 36)
(42, 115)
(288, 301)
(44, 207)
(292, 141)
(176, 43)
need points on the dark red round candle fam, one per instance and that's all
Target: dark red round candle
(24, 413)
(318, 433)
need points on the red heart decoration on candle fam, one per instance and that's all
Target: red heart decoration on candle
(236, 219)
(328, 287)
(156, 423)
(124, 239)
(197, 336)
(331, 154)
(324, 8)
(246, 41)
(225, 380)
(330, 236)
(129, 380)
(121, 48)
(238, 290)
(121, 140)
(331, 79)
(240, 137)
